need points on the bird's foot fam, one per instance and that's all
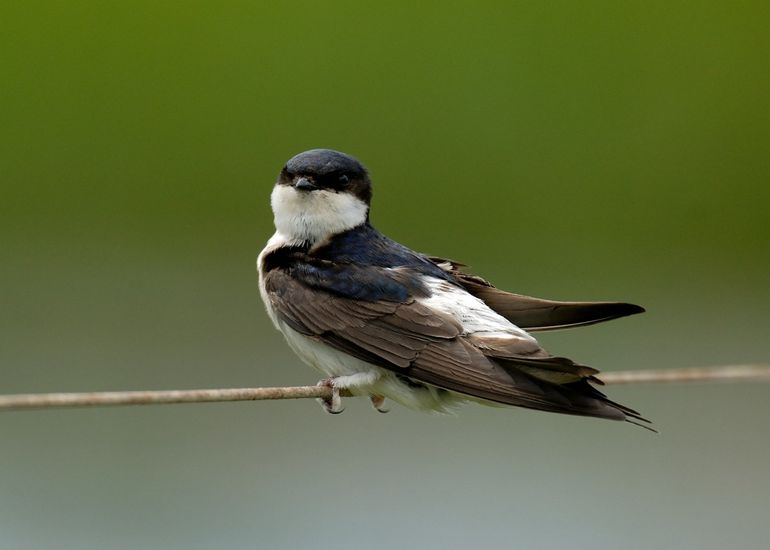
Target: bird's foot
(378, 402)
(331, 405)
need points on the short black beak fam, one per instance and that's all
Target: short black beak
(304, 184)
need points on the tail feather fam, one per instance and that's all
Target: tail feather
(558, 386)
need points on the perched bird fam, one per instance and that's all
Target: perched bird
(381, 320)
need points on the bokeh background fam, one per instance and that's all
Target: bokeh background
(572, 150)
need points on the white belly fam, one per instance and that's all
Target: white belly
(368, 379)
(324, 358)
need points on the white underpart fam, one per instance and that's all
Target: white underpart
(474, 315)
(316, 215)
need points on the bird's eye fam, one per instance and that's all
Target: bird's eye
(343, 179)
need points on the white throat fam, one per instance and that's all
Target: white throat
(315, 216)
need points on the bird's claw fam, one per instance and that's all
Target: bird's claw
(331, 405)
(378, 402)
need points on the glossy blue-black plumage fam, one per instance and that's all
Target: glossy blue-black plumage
(364, 245)
(358, 264)
(328, 170)
(369, 284)
(324, 161)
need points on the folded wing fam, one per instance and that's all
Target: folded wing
(536, 314)
(402, 334)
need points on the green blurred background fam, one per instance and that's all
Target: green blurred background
(571, 150)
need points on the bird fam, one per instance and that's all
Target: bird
(381, 320)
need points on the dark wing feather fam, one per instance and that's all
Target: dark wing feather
(429, 346)
(537, 314)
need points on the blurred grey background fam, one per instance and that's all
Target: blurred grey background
(571, 150)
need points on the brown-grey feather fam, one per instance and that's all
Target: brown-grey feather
(429, 346)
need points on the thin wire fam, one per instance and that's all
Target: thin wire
(731, 373)
(111, 398)
(728, 373)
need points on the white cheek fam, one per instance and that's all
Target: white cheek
(316, 215)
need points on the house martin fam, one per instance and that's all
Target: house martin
(381, 320)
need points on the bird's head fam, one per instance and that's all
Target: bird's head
(320, 193)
